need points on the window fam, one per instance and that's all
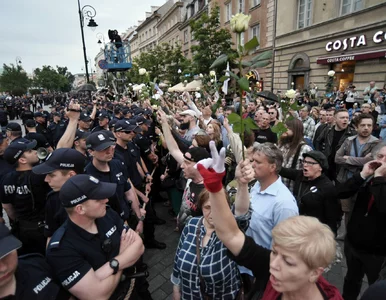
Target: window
(196, 6)
(304, 13)
(241, 6)
(228, 11)
(255, 31)
(349, 6)
(185, 36)
(255, 3)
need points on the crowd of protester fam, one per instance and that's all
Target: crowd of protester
(258, 218)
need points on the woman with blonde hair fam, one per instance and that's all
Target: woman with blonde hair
(302, 247)
(214, 132)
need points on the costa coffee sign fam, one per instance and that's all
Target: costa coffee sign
(355, 42)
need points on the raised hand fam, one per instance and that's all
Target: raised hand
(212, 169)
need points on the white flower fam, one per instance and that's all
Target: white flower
(197, 88)
(198, 95)
(130, 84)
(142, 71)
(201, 76)
(212, 73)
(239, 23)
(290, 94)
(154, 107)
(137, 88)
(185, 81)
(331, 73)
(211, 80)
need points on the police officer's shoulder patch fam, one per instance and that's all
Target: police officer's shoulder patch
(57, 237)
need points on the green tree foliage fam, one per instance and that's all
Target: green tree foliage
(211, 42)
(53, 80)
(162, 64)
(14, 80)
(70, 78)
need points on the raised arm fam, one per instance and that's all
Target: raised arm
(169, 139)
(67, 140)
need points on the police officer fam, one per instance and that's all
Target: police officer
(23, 196)
(103, 119)
(3, 116)
(28, 277)
(105, 168)
(13, 131)
(26, 114)
(41, 141)
(84, 122)
(5, 167)
(58, 167)
(57, 128)
(92, 252)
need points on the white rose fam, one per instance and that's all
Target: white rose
(211, 80)
(212, 73)
(185, 81)
(290, 94)
(331, 73)
(137, 88)
(198, 95)
(201, 76)
(142, 71)
(239, 23)
(154, 107)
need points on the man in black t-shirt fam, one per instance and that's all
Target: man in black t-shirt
(41, 141)
(264, 134)
(93, 241)
(61, 165)
(23, 196)
(26, 277)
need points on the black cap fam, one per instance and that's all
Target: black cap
(127, 125)
(39, 114)
(56, 114)
(117, 110)
(113, 122)
(13, 126)
(141, 120)
(30, 123)
(111, 135)
(103, 115)
(3, 136)
(148, 112)
(81, 188)
(319, 157)
(81, 134)
(125, 111)
(8, 242)
(196, 154)
(61, 159)
(84, 117)
(16, 149)
(99, 141)
(139, 112)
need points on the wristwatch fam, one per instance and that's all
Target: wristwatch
(141, 218)
(114, 264)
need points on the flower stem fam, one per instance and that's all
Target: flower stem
(241, 96)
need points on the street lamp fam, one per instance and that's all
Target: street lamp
(18, 60)
(86, 12)
(100, 37)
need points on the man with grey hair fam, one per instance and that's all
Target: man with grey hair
(270, 200)
(370, 91)
(308, 122)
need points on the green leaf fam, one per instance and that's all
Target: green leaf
(223, 78)
(222, 59)
(262, 56)
(236, 127)
(261, 64)
(249, 124)
(234, 118)
(244, 84)
(295, 106)
(233, 75)
(279, 128)
(252, 44)
(246, 64)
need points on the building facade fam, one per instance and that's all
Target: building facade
(313, 37)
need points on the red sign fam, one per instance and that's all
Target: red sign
(351, 57)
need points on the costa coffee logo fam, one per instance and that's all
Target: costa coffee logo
(355, 42)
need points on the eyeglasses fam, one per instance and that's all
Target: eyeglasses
(307, 162)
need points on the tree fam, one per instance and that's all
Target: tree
(70, 78)
(14, 80)
(211, 42)
(49, 79)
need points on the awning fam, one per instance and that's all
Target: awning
(351, 57)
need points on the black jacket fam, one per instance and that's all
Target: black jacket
(323, 203)
(366, 227)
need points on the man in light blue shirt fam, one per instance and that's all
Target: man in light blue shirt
(270, 200)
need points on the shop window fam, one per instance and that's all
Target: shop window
(344, 74)
(350, 6)
(304, 13)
